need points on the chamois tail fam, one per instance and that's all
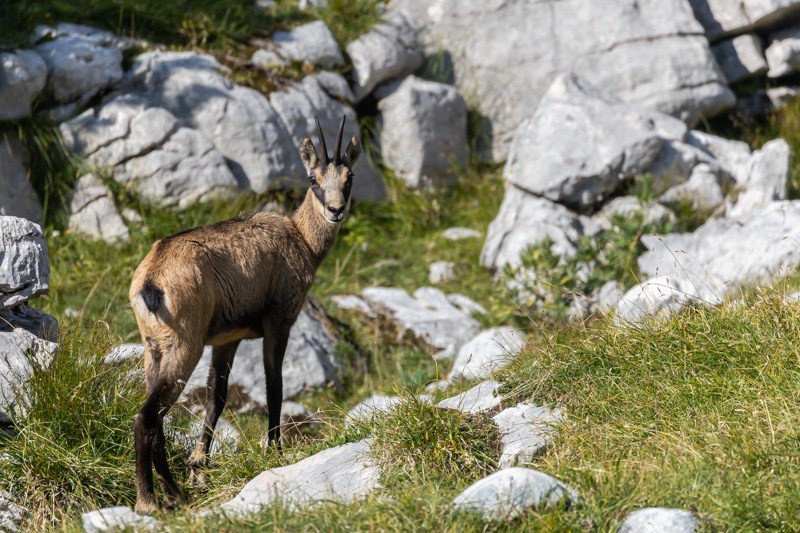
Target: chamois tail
(152, 295)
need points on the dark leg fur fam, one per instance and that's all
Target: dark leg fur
(273, 367)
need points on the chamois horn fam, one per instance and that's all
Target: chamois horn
(324, 149)
(337, 149)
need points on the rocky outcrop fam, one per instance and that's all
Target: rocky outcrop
(21, 354)
(721, 18)
(741, 58)
(507, 493)
(24, 267)
(652, 53)
(93, 212)
(17, 197)
(23, 74)
(423, 134)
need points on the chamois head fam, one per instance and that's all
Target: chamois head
(331, 179)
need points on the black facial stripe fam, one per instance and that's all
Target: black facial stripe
(346, 189)
(319, 192)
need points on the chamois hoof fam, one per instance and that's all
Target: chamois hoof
(198, 463)
(145, 506)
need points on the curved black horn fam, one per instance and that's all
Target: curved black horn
(325, 159)
(337, 156)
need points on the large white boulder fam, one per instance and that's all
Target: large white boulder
(23, 75)
(390, 50)
(92, 211)
(783, 52)
(343, 474)
(423, 133)
(722, 17)
(24, 266)
(17, 197)
(506, 54)
(508, 492)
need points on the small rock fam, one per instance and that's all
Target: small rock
(440, 385)
(123, 353)
(505, 494)
(351, 302)
(93, 212)
(442, 272)
(783, 52)
(390, 50)
(488, 351)
(525, 431)
(423, 135)
(342, 474)
(24, 266)
(335, 85)
(659, 520)
(466, 304)
(11, 514)
(657, 297)
(741, 57)
(264, 5)
(131, 215)
(479, 399)
(294, 419)
(767, 178)
(627, 205)
(115, 518)
(24, 75)
(701, 190)
(457, 234)
(378, 403)
(310, 43)
(607, 298)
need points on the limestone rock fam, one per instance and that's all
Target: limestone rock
(721, 18)
(525, 220)
(23, 75)
(457, 234)
(24, 267)
(766, 178)
(297, 107)
(423, 134)
(335, 85)
(343, 474)
(479, 399)
(627, 205)
(20, 354)
(488, 351)
(701, 190)
(123, 354)
(783, 52)
(582, 143)
(310, 43)
(606, 299)
(11, 514)
(466, 304)
(309, 363)
(377, 403)
(441, 272)
(506, 54)
(732, 156)
(526, 431)
(428, 314)
(226, 436)
(31, 320)
(93, 212)
(741, 57)
(390, 50)
(17, 197)
(115, 518)
(659, 520)
(505, 494)
(80, 65)
(351, 302)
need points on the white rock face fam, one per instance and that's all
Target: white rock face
(309, 362)
(465, 304)
(479, 399)
(21, 353)
(335, 85)
(123, 353)
(765, 180)
(311, 43)
(701, 190)
(24, 267)
(342, 474)
(441, 272)
(390, 50)
(702, 267)
(506, 54)
(489, 350)
(525, 431)
(17, 197)
(23, 74)
(582, 143)
(93, 212)
(298, 106)
(505, 494)
(423, 132)
(732, 156)
(428, 314)
(11, 514)
(457, 234)
(377, 403)
(659, 520)
(526, 220)
(80, 65)
(721, 18)
(783, 52)
(115, 518)
(32, 320)
(741, 57)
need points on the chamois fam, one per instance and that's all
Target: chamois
(243, 278)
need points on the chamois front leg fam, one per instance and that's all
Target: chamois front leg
(274, 350)
(216, 396)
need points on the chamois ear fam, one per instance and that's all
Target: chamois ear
(308, 154)
(352, 153)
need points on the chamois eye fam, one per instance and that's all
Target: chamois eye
(312, 178)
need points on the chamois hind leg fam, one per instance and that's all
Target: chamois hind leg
(216, 396)
(274, 350)
(173, 496)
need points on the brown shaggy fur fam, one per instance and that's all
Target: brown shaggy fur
(215, 285)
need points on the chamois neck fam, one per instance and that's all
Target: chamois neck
(318, 233)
